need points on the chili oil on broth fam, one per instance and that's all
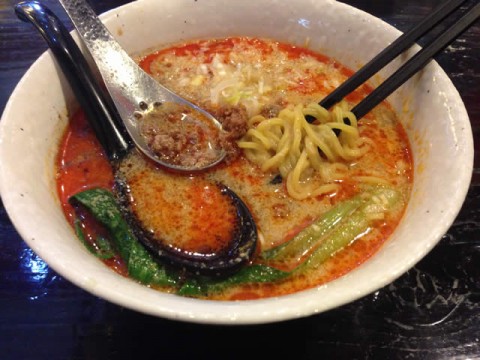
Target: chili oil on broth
(183, 212)
(261, 75)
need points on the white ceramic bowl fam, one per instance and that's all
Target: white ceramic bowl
(429, 107)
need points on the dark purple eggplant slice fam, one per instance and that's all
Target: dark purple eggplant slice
(188, 222)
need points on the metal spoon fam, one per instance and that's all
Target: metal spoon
(138, 96)
(108, 129)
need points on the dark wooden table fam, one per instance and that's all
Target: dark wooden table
(432, 312)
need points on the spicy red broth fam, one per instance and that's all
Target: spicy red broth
(261, 77)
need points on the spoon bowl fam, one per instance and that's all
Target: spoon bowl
(137, 96)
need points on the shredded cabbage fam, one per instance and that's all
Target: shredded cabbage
(240, 84)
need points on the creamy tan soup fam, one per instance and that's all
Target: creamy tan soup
(262, 91)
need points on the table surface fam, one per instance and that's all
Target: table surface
(431, 312)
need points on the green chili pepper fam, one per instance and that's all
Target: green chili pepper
(352, 227)
(104, 250)
(307, 239)
(140, 263)
(250, 274)
(334, 230)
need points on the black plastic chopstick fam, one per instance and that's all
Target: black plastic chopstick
(99, 108)
(417, 62)
(401, 44)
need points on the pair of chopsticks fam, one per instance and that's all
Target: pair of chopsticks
(412, 66)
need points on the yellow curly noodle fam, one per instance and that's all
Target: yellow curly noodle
(290, 145)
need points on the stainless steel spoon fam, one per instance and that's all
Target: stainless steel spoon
(135, 93)
(104, 120)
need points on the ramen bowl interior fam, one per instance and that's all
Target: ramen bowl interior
(428, 106)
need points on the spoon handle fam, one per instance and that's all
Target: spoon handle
(98, 107)
(126, 82)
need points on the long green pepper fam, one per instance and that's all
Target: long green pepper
(330, 233)
(140, 263)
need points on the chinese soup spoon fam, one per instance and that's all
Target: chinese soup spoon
(237, 246)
